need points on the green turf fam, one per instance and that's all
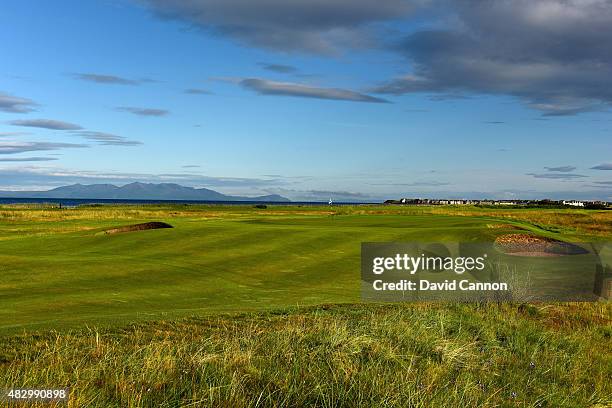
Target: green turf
(53, 278)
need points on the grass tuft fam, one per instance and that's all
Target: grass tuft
(484, 355)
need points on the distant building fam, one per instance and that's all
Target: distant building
(574, 203)
(594, 205)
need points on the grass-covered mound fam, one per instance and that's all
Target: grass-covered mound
(484, 355)
(138, 227)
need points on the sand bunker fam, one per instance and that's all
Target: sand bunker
(531, 245)
(138, 227)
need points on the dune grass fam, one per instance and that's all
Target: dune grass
(221, 311)
(426, 355)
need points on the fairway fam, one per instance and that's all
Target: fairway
(64, 273)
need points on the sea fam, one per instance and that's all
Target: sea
(75, 202)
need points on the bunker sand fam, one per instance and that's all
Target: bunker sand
(537, 246)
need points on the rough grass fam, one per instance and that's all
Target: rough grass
(482, 355)
(73, 306)
(592, 222)
(567, 220)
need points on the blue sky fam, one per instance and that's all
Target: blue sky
(310, 99)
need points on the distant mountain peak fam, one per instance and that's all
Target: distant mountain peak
(137, 191)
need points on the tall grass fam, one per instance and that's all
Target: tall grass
(482, 355)
(591, 222)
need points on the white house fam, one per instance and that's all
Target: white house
(574, 203)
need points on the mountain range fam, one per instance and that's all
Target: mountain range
(137, 191)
